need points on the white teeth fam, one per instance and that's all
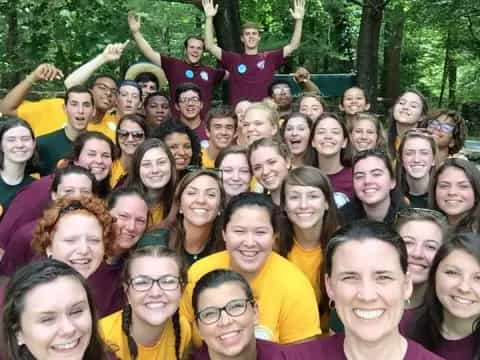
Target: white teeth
(228, 335)
(369, 191)
(368, 314)
(156, 305)
(67, 346)
(249, 253)
(462, 300)
(80, 261)
(199, 211)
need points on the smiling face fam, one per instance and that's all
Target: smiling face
(96, 157)
(369, 295)
(311, 107)
(220, 132)
(297, 135)
(155, 306)
(180, 146)
(257, 125)
(250, 38)
(354, 101)
(371, 181)
(408, 109)
(131, 216)
(442, 129)
(305, 206)
(73, 185)
(200, 201)
(364, 135)
(105, 93)
(454, 194)
(79, 110)
(328, 138)
(422, 238)
(194, 51)
(155, 169)
(189, 105)
(60, 325)
(17, 145)
(249, 239)
(282, 95)
(230, 336)
(128, 100)
(157, 110)
(417, 157)
(457, 284)
(130, 135)
(236, 174)
(269, 167)
(77, 240)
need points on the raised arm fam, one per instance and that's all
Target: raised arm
(112, 52)
(14, 98)
(134, 24)
(210, 12)
(302, 77)
(298, 13)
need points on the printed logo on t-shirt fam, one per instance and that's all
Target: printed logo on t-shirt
(261, 65)
(340, 199)
(189, 74)
(263, 333)
(242, 68)
(204, 75)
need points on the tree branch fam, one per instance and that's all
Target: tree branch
(472, 30)
(197, 3)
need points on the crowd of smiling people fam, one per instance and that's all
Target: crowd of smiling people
(140, 225)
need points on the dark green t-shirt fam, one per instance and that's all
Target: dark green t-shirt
(52, 147)
(8, 192)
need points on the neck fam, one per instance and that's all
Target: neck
(125, 160)
(442, 155)
(308, 238)
(99, 114)
(144, 333)
(418, 186)
(378, 211)
(212, 151)
(196, 237)
(251, 51)
(454, 328)
(154, 196)
(192, 123)
(403, 128)
(275, 195)
(297, 160)
(71, 133)
(329, 164)
(13, 173)
(418, 296)
(249, 353)
(392, 347)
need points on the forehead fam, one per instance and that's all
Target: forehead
(329, 122)
(354, 92)
(18, 130)
(189, 93)
(79, 96)
(203, 182)
(131, 203)
(157, 99)
(411, 97)
(67, 225)
(310, 101)
(222, 120)
(106, 81)
(417, 142)
(421, 228)
(302, 188)
(370, 163)
(154, 266)
(195, 42)
(364, 123)
(247, 215)
(297, 120)
(281, 86)
(220, 295)
(176, 138)
(154, 153)
(96, 145)
(73, 180)
(129, 89)
(131, 125)
(462, 259)
(452, 173)
(445, 119)
(234, 160)
(257, 114)
(242, 105)
(263, 153)
(250, 30)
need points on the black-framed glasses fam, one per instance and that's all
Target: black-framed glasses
(191, 100)
(443, 127)
(105, 88)
(136, 134)
(413, 212)
(143, 283)
(234, 308)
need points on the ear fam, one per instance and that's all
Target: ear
(53, 195)
(201, 105)
(223, 235)
(207, 132)
(64, 108)
(48, 251)
(177, 107)
(340, 106)
(94, 112)
(345, 142)
(255, 314)
(394, 183)
(329, 288)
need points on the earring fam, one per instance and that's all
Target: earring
(331, 304)
(180, 211)
(409, 301)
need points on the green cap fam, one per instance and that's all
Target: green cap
(154, 238)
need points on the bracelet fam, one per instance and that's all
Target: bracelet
(30, 78)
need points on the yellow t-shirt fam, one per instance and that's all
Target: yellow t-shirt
(44, 116)
(207, 162)
(117, 172)
(156, 215)
(287, 309)
(107, 126)
(113, 335)
(309, 261)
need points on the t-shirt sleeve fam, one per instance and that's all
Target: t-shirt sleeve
(168, 64)
(218, 76)
(228, 60)
(300, 318)
(276, 56)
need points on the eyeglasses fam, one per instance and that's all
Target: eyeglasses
(105, 88)
(234, 308)
(144, 283)
(412, 212)
(445, 128)
(136, 134)
(281, 90)
(192, 100)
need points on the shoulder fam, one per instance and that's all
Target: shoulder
(416, 351)
(331, 347)
(284, 274)
(111, 324)
(215, 261)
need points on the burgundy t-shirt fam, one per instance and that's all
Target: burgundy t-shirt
(342, 182)
(106, 287)
(250, 75)
(266, 350)
(331, 348)
(205, 77)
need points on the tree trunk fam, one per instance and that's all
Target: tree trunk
(445, 69)
(393, 30)
(227, 25)
(11, 46)
(452, 82)
(367, 48)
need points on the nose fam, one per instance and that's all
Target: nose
(225, 319)
(156, 290)
(367, 291)
(416, 251)
(66, 326)
(201, 197)
(303, 202)
(416, 157)
(180, 151)
(236, 175)
(464, 285)
(83, 246)
(155, 169)
(130, 224)
(81, 109)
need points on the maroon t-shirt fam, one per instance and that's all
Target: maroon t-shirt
(106, 287)
(205, 77)
(266, 350)
(342, 182)
(331, 348)
(250, 75)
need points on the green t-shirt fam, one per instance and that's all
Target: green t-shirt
(8, 192)
(52, 147)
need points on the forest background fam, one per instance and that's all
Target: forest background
(390, 45)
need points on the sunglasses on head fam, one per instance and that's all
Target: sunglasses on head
(136, 134)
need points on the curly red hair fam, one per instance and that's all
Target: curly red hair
(43, 234)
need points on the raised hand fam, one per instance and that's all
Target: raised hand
(301, 75)
(209, 9)
(134, 22)
(46, 72)
(298, 11)
(113, 52)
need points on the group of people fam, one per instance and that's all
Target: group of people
(136, 224)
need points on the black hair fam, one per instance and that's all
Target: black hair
(79, 89)
(221, 111)
(73, 169)
(25, 280)
(137, 119)
(196, 37)
(146, 77)
(119, 192)
(363, 230)
(186, 86)
(100, 76)
(275, 83)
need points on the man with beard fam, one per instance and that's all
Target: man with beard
(180, 71)
(251, 72)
